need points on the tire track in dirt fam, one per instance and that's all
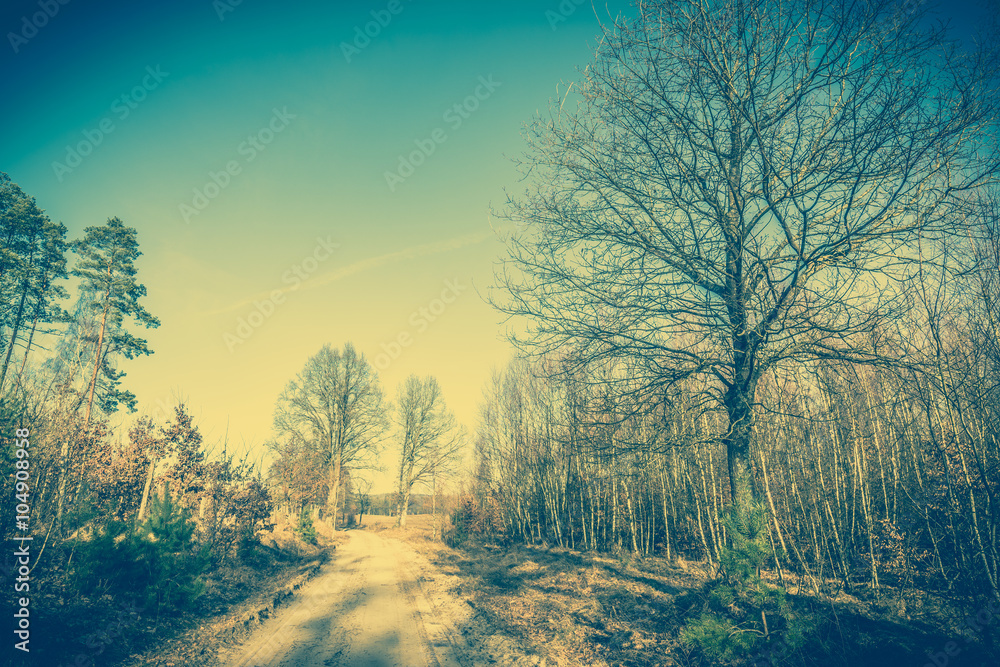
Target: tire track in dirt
(367, 608)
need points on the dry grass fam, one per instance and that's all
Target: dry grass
(562, 607)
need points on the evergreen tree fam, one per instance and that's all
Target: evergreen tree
(32, 261)
(742, 614)
(160, 564)
(305, 527)
(175, 563)
(107, 271)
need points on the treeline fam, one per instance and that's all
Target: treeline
(333, 422)
(139, 514)
(387, 504)
(886, 477)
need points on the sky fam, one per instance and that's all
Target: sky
(299, 173)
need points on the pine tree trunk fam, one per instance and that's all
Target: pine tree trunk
(15, 329)
(27, 349)
(97, 361)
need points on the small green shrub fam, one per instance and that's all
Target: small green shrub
(742, 613)
(306, 529)
(476, 517)
(109, 562)
(719, 639)
(461, 523)
(159, 564)
(174, 561)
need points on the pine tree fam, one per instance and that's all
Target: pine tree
(32, 261)
(107, 271)
(175, 563)
(744, 614)
(305, 527)
(160, 564)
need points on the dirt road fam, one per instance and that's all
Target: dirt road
(367, 608)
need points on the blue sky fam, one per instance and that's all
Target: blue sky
(252, 115)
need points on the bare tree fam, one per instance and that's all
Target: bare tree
(363, 496)
(740, 185)
(430, 439)
(336, 404)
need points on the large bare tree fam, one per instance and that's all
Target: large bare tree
(737, 185)
(430, 439)
(336, 404)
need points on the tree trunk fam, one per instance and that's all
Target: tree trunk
(97, 361)
(404, 507)
(403, 495)
(437, 527)
(145, 492)
(741, 483)
(27, 348)
(63, 472)
(15, 330)
(332, 499)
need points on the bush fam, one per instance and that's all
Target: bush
(742, 613)
(110, 562)
(305, 528)
(175, 561)
(719, 639)
(160, 564)
(248, 508)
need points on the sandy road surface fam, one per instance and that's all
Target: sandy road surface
(366, 608)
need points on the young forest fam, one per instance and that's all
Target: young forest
(752, 285)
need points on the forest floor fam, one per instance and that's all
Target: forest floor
(558, 607)
(380, 595)
(565, 607)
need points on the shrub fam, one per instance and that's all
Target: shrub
(719, 639)
(742, 613)
(473, 517)
(110, 562)
(305, 528)
(175, 562)
(159, 564)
